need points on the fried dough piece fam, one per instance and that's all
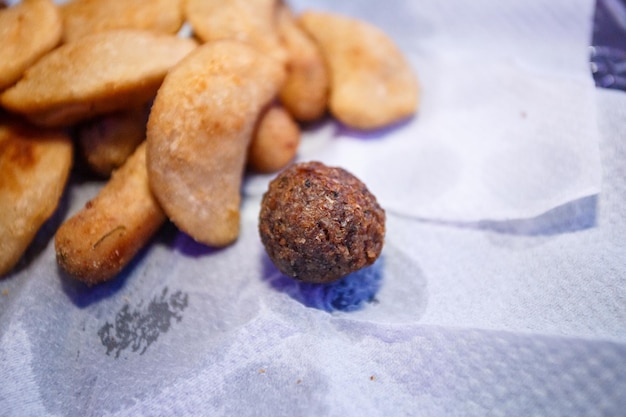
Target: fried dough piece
(85, 17)
(372, 84)
(108, 140)
(27, 31)
(100, 240)
(34, 167)
(275, 141)
(199, 129)
(305, 93)
(97, 74)
(250, 21)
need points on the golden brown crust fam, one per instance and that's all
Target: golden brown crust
(320, 223)
(305, 92)
(108, 140)
(27, 31)
(34, 167)
(274, 142)
(249, 21)
(199, 128)
(97, 74)
(372, 84)
(96, 243)
(85, 17)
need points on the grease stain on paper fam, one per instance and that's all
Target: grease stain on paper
(137, 328)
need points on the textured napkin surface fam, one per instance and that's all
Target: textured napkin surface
(506, 127)
(464, 314)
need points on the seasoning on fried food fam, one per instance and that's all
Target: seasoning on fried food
(199, 130)
(85, 17)
(97, 74)
(97, 242)
(319, 223)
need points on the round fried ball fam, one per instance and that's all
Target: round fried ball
(319, 223)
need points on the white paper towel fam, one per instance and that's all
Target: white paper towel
(506, 127)
(458, 317)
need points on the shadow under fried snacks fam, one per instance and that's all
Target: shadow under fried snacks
(350, 293)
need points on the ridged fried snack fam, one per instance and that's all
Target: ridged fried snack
(85, 17)
(199, 129)
(97, 74)
(101, 239)
(27, 31)
(372, 83)
(34, 167)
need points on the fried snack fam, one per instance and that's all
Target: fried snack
(85, 17)
(250, 21)
(100, 240)
(34, 167)
(319, 223)
(275, 141)
(372, 84)
(27, 31)
(97, 74)
(108, 140)
(199, 129)
(305, 93)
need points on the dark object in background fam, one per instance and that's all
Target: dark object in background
(319, 223)
(608, 51)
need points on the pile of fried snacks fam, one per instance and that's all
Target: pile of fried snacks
(171, 122)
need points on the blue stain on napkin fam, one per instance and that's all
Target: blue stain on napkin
(353, 292)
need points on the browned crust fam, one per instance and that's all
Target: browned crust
(34, 167)
(320, 223)
(98, 74)
(101, 239)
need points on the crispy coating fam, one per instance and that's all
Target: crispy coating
(199, 129)
(85, 17)
(372, 84)
(319, 223)
(97, 74)
(305, 93)
(34, 167)
(250, 21)
(96, 243)
(108, 140)
(275, 141)
(27, 31)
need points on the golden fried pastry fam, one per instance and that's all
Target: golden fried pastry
(274, 142)
(85, 17)
(251, 21)
(100, 240)
(305, 93)
(97, 74)
(199, 129)
(372, 84)
(34, 167)
(108, 140)
(27, 31)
